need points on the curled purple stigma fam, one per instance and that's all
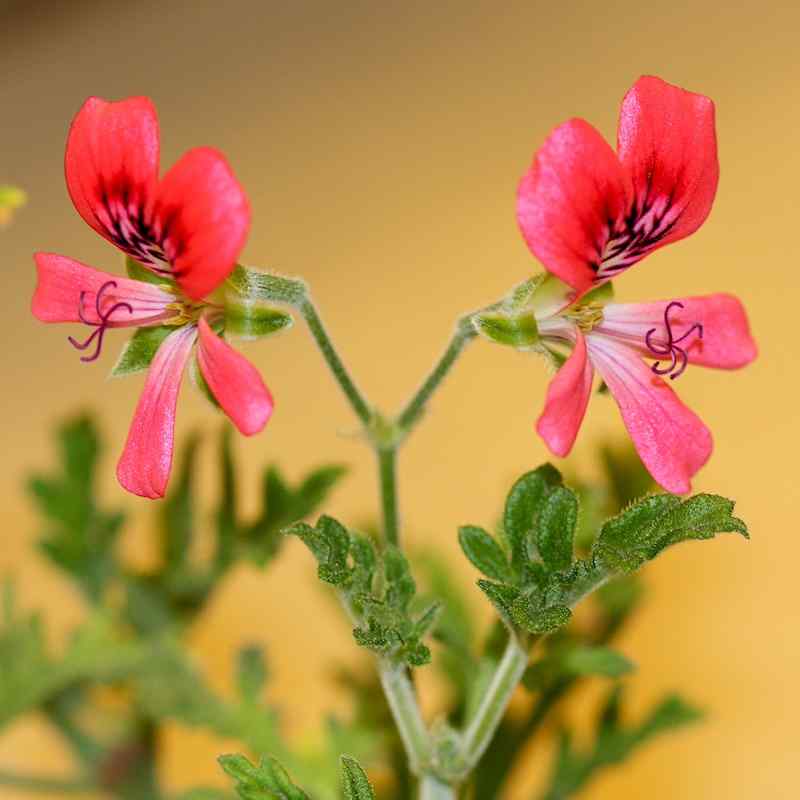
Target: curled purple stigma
(679, 360)
(100, 327)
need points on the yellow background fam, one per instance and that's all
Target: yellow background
(380, 144)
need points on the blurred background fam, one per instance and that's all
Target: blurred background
(381, 144)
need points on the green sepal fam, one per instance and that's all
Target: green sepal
(200, 383)
(253, 320)
(139, 272)
(485, 553)
(140, 350)
(355, 784)
(513, 330)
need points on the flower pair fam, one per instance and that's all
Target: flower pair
(182, 234)
(588, 214)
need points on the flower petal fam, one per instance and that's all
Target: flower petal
(146, 461)
(667, 143)
(726, 342)
(567, 399)
(671, 440)
(67, 288)
(203, 216)
(575, 189)
(111, 167)
(234, 381)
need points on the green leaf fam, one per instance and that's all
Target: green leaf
(555, 529)
(649, 525)
(485, 553)
(177, 510)
(502, 597)
(139, 351)
(523, 504)
(227, 527)
(329, 541)
(355, 785)
(502, 327)
(139, 272)
(595, 660)
(534, 618)
(199, 382)
(267, 781)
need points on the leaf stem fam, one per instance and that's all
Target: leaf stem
(415, 407)
(337, 367)
(431, 788)
(387, 472)
(483, 725)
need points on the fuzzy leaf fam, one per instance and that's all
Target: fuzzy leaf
(484, 553)
(267, 781)
(555, 528)
(523, 504)
(501, 596)
(251, 674)
(355, 785)
(140, 350)
(538, 619)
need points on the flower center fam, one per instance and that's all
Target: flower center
(587, 316)
(679, 360)
(102, 325)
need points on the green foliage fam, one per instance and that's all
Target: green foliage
(544, 580)
(355, 784)
(503, 327)
(79, 537)
(266, 781)
(612, 743)
(575, 659)
(378, 589)
(140, 350)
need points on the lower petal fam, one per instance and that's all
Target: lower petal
(671, 440)
(726, 342)
(146, 460)
(234, 382)
(67, 290)
(567, 398)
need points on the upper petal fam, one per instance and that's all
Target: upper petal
(574, 192)
(111, 166)
(671, 440)
(567, 398)
(726, 342)
(202, 215)
(667, 143)
(66, 291)
(146, 461)
(234, 381)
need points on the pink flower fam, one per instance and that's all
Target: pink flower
(588, 214)
(186, 230)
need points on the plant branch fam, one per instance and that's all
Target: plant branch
(431, 788)
(387, 472)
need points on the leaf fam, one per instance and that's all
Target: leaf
(537, 619)
(227, 527)
(522, 508)
(555, 528)
(595, 660)
(177, 510)
(267, 781)
(139, 351)
(355, 785)
(139, 272)
(502, 597)
(645, 528)
(484, 553)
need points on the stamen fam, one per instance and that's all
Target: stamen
(100, 327)
(679, 359)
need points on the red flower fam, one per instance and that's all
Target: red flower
(186, 229)
(588, 214)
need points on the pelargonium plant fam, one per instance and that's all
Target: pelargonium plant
(588, 214)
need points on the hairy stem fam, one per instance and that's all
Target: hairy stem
(431, 788)
(483, 725)
(337, 367)
(402, 701)
(387, 463)
(415, 407)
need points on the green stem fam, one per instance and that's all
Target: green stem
(402, 701)
(431, 788)
(493, 705)
(34, 783)
(387, 471)
(413, 410)
(340, 373)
